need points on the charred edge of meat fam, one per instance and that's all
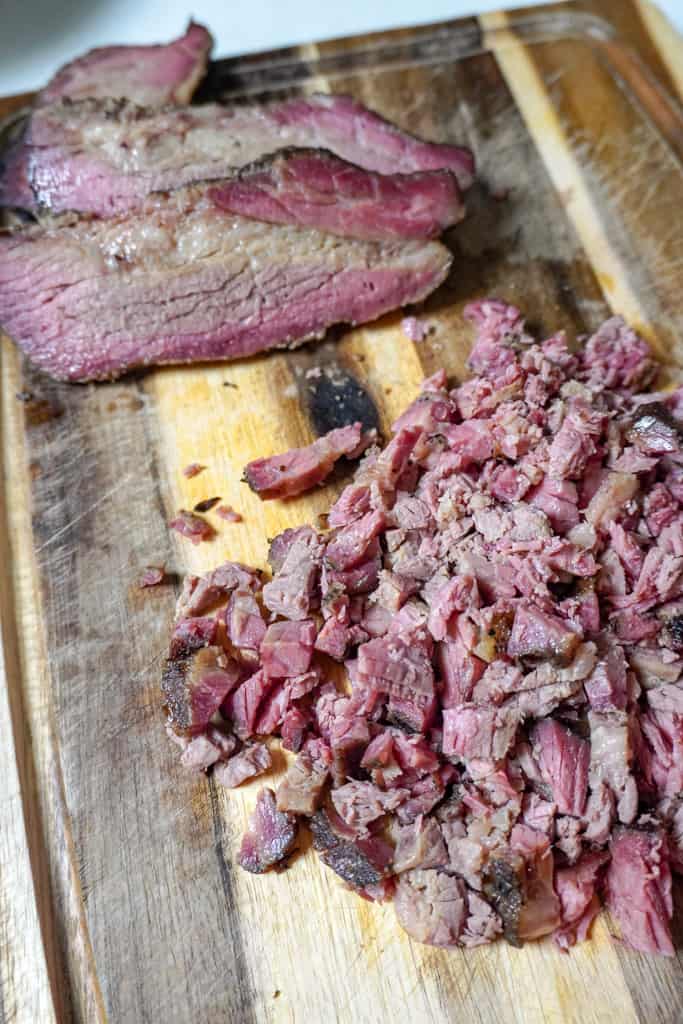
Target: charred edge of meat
(174, 689)
(341, 855)
(503, 889)
(673, 629)
(184, 646)
(654, 416)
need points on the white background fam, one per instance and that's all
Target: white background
(37, 36)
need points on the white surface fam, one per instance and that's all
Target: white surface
(37, 36)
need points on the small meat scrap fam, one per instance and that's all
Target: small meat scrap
(193, 469)
(228, 514)
(205, 505)
(151, 576)
(476, 661)
(192, 526)
(270, 835)
(416, 330)
(300, 469)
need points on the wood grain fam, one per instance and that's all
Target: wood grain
(120, 900)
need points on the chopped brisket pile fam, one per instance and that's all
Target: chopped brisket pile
(503, 583)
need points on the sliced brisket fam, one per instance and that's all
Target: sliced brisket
(104, 155)
(85, 300)
(152, 75)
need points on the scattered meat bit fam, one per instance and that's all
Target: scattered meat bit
(300, 469)
(193, 469)
(639, 889)
(270, 835)
(152, 576)
(206, 505)
(503, 587)
(416, 330)
(249, 762)
(192, 526)
(228, 513)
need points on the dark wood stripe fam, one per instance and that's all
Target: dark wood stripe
(98, 518)
(51, 925)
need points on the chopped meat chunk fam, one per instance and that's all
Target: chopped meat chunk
(270, 835)
(249, 762)
(152, 576)
(563, 759)
(639, 890)
(190, 525)
(300, 469)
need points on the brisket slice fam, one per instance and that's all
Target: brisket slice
(185, 281)
(300, 469)
(305, 187)
(154, 75)
(104, 155)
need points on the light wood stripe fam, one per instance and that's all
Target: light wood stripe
(543, 125)
(666, 38)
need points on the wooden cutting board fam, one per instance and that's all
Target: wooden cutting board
(119, 897)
